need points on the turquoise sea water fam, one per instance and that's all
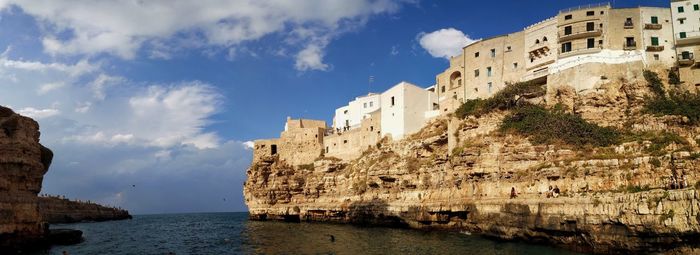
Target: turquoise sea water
(233, 233)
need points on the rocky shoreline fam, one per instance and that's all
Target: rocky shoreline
(60, 210)
(457, 175)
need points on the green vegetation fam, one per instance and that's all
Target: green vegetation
(673, 77)
(547, 126)
(655, 162)
(659, 140)
(505, 99)
(676, 103)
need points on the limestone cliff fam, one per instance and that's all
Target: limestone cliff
(60, 210)
(457, 174)
(23, 163)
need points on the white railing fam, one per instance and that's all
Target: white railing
(588, 6)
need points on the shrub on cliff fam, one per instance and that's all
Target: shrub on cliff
(548, 126)
(654, 83)
(507, 98)
(676, 103)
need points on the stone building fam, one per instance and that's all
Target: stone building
(300, 143)
(686, 29)
(573, 44)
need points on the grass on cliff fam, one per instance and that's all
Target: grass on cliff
(680, 103)
(550, 126)
(504, 99)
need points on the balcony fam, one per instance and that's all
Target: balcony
(629, 45)
(582, 51)
(538, 49)
(583, 33)
(686, 59)
(655, 48)
(629, 25)
(688, 38)
(652, 26)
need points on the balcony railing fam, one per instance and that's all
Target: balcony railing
(581, 33)
(652, 26)
(629, 45)
(629, 25)
(655, 47)
(588, 6)
(686, 59)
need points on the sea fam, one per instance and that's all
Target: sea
(233, 233)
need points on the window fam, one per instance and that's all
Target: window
(476, 73)
(364, 105)
(442, 89)
(682, 21)
(490, 86)
(347, 123)
(345, 112)
(515, 65)
(655, 41)
(680, 9)
(566, 47)
(507, 48)
(326, 149)
(273, 149)
(628, 22)
(654, 20)
(392, 101)
(682, 35)
(590, 26)
(537, 41)
(567, 30)
(590, 13)
(602, 12)
(488, 71)
(656, 56)
(476, 54)
(568, 17)
(544, 39)
(590, 43)
(696, 7)
(685, 55)
(493, 53)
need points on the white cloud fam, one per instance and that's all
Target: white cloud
(394, 50)
(38, 113)
(249, 145)
(49, 87)
(311, 58)
(102, 83)
(444, 43)
(123, 27)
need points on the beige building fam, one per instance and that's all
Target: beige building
(300, 143)
(686, 29)
(573, 44)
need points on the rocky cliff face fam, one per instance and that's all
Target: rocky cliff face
(458, 175)
(58, 210)
(23, 163)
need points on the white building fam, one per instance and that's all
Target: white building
(405, 109)
(352, 114)
(686, 29)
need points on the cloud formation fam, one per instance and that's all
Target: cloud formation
(123, 27)
(444, 43)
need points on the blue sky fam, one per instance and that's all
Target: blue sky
(148, 106)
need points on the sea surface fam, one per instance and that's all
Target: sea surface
(233, 233)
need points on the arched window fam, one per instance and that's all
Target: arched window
(455, 79)
(544, 39)
(537, 41)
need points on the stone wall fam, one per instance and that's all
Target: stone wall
(23, 163)
(58, 210)
(349, 145)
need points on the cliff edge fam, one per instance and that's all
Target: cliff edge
(60, 210)
(593, 171)
(23, 163)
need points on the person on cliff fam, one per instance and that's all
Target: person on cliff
(513, 194)
(555, 192)
(549, 192)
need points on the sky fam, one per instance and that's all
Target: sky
(152, 105)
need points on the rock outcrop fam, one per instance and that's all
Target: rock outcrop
(23, 163)
(458, 175)
(61, 210)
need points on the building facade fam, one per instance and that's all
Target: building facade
(686, 29)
